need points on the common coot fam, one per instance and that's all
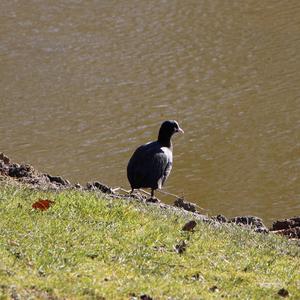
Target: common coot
(151, 164)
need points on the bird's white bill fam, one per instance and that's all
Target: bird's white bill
(180, 130)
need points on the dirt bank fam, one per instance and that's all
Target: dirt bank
(26, 174)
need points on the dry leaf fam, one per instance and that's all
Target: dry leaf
(189, 226)
(283, 293)
(42, 204)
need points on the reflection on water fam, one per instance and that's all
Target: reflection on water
(83, 83)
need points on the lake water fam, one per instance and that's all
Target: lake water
(83, 83)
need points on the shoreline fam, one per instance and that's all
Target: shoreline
(26, 174)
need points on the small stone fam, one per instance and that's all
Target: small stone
(261, 230)
(282, 224)
(197, 277)
(18, 171)
(286, 224)
(96, 185)
(220, 218)
(292, 233)
(185, 205)
(214, 288)
(180, 247)
(58, 179)
(250, 221)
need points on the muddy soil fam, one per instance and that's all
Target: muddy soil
(26, 174)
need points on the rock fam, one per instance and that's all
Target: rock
(286, 223)
(261, 230)
(96, 185)
(220, 218)
(250, 221)
(185, 205)
(189, 226)
(282, 224)
(247, 220)
(23, 170)
(59, 180)
(291, 233)
(287, 227)
(25, 173)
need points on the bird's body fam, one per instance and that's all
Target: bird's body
(149, 166)
(151, 163)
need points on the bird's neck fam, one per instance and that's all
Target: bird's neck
(165, 141)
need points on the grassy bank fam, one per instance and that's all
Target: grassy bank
(89, 247)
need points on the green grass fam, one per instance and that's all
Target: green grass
(88, 247)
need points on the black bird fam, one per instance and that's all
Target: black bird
(151, 164)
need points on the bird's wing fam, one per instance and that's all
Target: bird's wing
(161, 167)
(136, 168)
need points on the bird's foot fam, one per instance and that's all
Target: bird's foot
(152, 200)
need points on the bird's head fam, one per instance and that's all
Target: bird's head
(168, 128)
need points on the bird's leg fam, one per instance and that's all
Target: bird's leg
(131, 194)
(152, 193)
(152, 199)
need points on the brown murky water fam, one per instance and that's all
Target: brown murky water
(82, 83)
